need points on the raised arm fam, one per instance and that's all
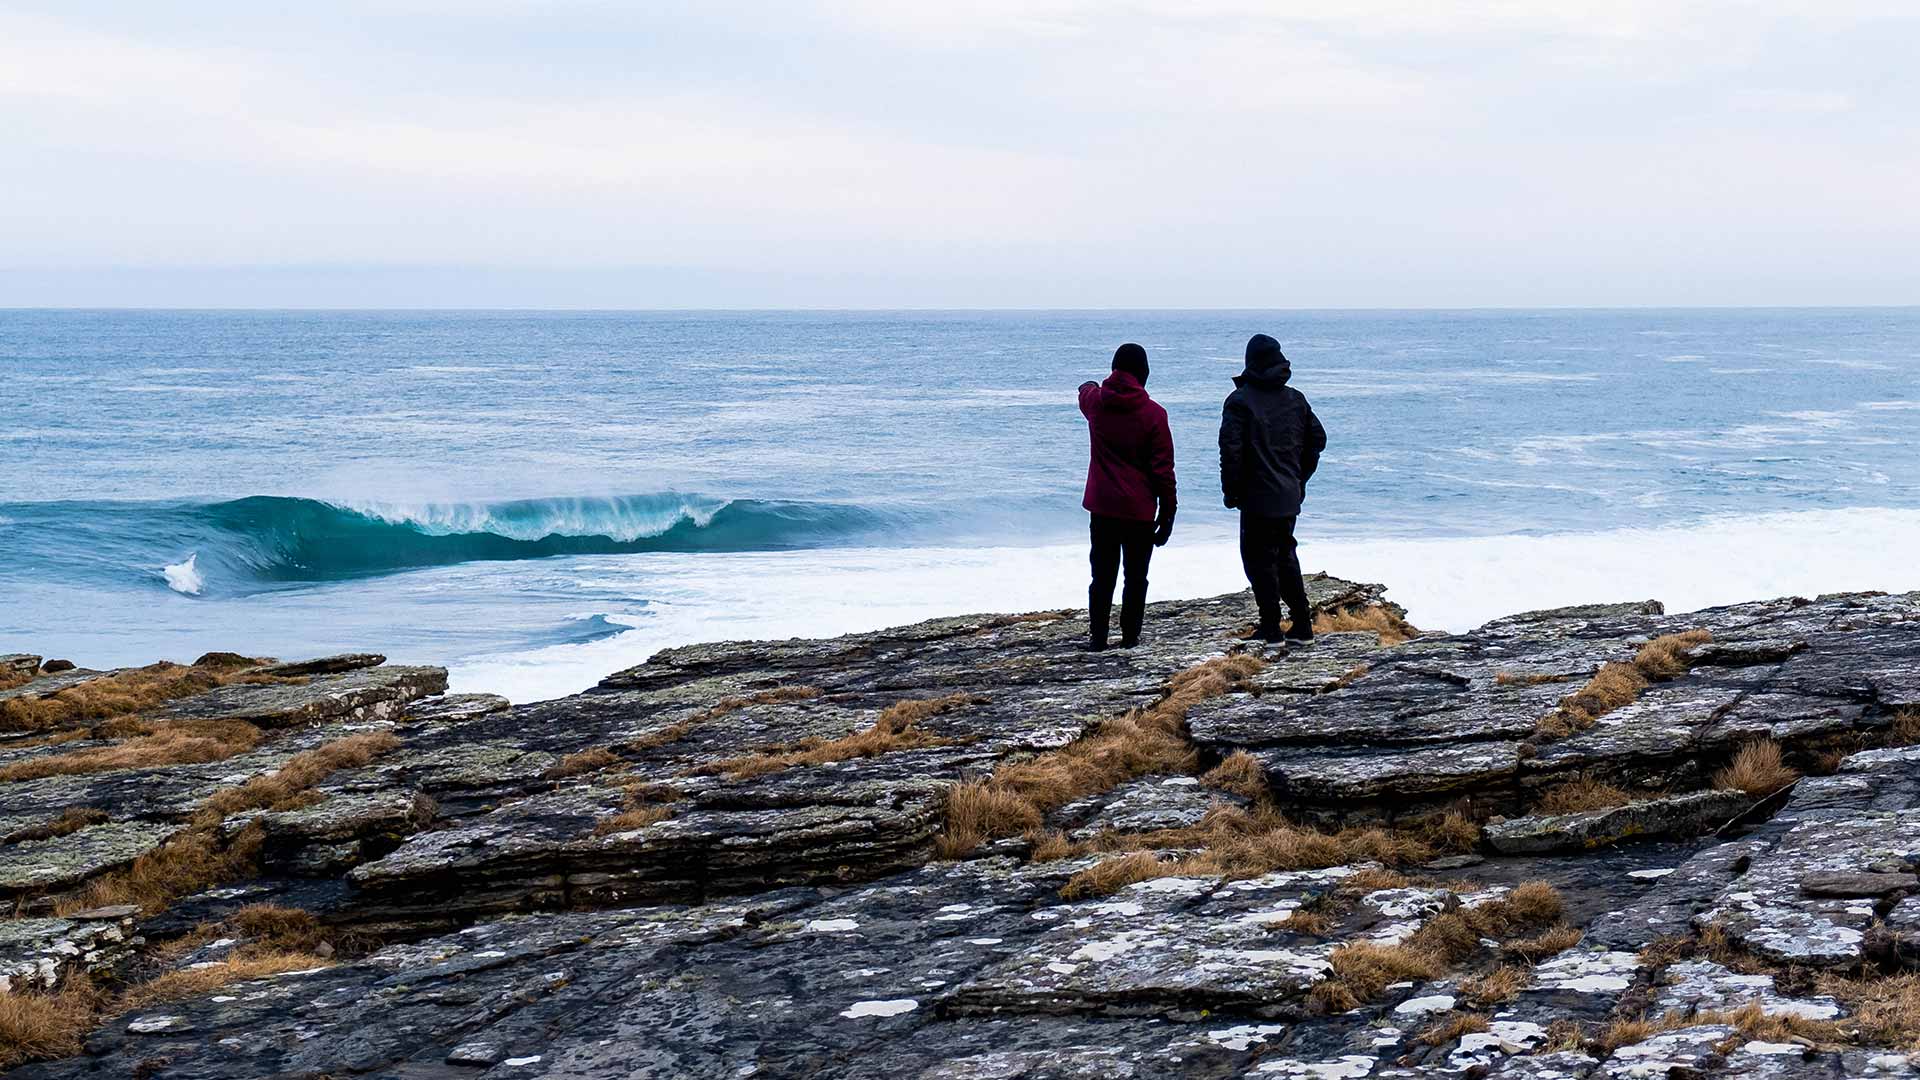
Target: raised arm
(1089, 394)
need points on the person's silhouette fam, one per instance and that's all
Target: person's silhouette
(1130, 491)
(1270, 444)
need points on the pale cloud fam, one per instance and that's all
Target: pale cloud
(1041, 151)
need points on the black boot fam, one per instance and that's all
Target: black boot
(1300, 627)
(1099, 610)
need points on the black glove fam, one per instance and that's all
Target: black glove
(1232, 503)
(1163, 528)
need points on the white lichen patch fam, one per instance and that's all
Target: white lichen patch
(888, 1007)
(1503, 1038)
(1701, 985)
(1346, 1067)
(1651, 875)
(1244, 1036)
(1587, 972)
(832, 926)
(1421, 1006)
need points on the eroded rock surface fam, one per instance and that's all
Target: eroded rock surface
(647, 880)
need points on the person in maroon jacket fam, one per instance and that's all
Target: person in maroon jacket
(1129, 491)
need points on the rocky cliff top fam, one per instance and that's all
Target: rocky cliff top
(1593, 842)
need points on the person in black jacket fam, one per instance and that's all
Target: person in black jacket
(1270, 444)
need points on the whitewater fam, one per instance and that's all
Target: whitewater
(537, 499)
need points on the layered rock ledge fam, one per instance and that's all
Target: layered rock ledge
(735, 859)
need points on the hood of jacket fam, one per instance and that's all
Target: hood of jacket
(1122, 392)
(1266, 364)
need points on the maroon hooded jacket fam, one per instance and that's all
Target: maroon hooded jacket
(1132, 464)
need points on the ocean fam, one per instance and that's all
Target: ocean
(536, 499)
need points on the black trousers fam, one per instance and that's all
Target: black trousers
(1273, 567)
(1115, 539)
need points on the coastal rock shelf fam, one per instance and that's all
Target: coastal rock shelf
(1456, 855)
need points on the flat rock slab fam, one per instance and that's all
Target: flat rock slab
(39, 953)
(1680, 815)
(40, 866)
(357, 696)
(1144, 805)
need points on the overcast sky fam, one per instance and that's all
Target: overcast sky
(1021, 153)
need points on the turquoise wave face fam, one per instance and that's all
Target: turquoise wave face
(260, 541)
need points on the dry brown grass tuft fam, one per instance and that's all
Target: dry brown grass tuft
(775, 696)
(1373, 878)
(301, 771)
(1750, 1021)
(1363, 969)
(1543, 945)
(893, 731)
(12, 678)
(129, 692)
(1452, 831)
(583, 762)
(1240, 774)
(1307, 921)
(71, 820)
(39, 1026)
(195, 981)
(189, 862)
(1111, 875)
(1017, 797)
(1885, 1009)
(1617, 684)
(1564, 1035)
(1757, 769)
(1237, 844)
(1049, 845)
(1580, 795)
(1496, 987)
(1391, 628)
(1906, 728)
(1665, 657)
(1451, 1027)
(627, 821)
(185, 742)
(276, 928)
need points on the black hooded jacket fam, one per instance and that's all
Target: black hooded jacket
(1270, 441)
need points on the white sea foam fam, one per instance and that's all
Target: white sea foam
(184, 577)
(1446, 584)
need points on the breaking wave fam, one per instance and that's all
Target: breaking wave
(262, 540)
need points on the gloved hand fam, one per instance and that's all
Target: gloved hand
(1232, 503)
(1163, 528)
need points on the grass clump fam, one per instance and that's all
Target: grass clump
(1545, 944)
(300, 772)
(71, 820)
(1362, 970)
(186, 742)
(1391, 628)
(127, 692)
(1580, 795)
(1618, 684)
(1016, 798)
(37, 1026)
(1750, 1021)
(196, 858)
(583, 762)
(894, 730)
(1236, 844)
(1451, 1027)
(1906, 728)
(194, 981)
(1495, 987)
(1240, 774)
(775, 696)
(1885, 1009)
(1518, 678)
(1756, 769)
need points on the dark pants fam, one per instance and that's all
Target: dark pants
(1273, 568)
(1112, 539)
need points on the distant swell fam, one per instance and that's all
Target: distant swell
(260, 540)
